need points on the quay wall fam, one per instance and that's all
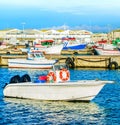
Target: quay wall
(88, 61)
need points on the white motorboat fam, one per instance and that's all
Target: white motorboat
(35, 60)
(55, 86)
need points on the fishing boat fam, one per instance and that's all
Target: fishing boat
(107, 49)
(35, 59)
(54, 49)
(55, 85)
(101, 51)
(46, 46)
(73, 45)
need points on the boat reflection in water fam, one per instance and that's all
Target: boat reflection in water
(56, 112)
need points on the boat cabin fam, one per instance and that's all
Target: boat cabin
(35, 55)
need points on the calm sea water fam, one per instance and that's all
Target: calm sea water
(103, 110)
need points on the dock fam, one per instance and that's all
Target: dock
(88, 61)
(75, 61)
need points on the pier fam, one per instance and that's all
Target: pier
(75, 61)
(89, 61)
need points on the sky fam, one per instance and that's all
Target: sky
(93, 15)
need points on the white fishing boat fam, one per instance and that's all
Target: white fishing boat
(107, 52)
(107, 49)
(56, 85)
(54, 49)
(35, 60)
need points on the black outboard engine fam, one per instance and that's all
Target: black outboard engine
(25, 78)
(15, 79)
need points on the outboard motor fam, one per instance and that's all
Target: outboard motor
(15, 79)
(25, 78)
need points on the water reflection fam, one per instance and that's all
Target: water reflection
(55, 112)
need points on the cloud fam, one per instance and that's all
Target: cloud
(94, 28)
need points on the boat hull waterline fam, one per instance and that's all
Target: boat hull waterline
(35, 60)
(83, 90)
(107, 52)
(36, 64)
(75, 47)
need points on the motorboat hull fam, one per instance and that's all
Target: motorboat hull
(33, 64)
(83, 90)
(75, 47)
(101, 51)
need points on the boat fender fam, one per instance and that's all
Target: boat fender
(25, 78)
(8, 53)
(113, 65)
(73, 59)
(70, 62)
(51, 77)
(75, 53)
(64, 74)
(15, 79)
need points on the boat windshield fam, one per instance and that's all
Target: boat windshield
(38, 55)
(59, 67)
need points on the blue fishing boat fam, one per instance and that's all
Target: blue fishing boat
(73, 45)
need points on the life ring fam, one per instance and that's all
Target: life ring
(64, 74)
(113, 65)
(51, 77)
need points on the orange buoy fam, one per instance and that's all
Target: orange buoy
(51, 76)
(64, 74)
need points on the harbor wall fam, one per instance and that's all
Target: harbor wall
(89, 61)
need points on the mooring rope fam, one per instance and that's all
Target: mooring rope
(94, 60)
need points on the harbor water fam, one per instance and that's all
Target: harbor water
(103, 110)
